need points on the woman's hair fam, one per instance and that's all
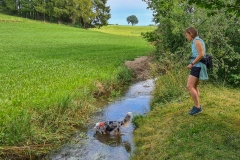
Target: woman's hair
(192, 31)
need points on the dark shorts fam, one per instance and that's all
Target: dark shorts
(195, 71)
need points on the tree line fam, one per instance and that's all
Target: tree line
(218, 25)
(86, 13)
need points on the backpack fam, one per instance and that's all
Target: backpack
(207, 60)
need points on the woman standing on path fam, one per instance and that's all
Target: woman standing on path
(198, 69)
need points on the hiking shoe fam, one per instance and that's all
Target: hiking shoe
(191, 109)
(195, 111)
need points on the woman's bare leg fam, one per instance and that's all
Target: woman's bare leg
(192, 84)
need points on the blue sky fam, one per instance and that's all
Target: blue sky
(121, 9)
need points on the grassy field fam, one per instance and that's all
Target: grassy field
(125, 30)
(169, 132)
(51, 76)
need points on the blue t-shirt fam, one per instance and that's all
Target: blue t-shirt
(203, 72)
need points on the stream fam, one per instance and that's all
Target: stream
(89, 145)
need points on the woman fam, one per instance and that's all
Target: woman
(198, 69)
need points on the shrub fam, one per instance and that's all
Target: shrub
(220, 33)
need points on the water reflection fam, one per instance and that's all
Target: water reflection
(113, 141)
(95, 146)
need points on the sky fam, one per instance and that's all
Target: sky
(121, 9)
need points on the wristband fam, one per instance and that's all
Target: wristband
(192, 64)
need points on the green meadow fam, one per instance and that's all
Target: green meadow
(125, 30)
(52, 77)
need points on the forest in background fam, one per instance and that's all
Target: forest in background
(82, 13)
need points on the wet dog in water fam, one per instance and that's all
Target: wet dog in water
(113, 126)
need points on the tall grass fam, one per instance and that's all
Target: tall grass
(169, 132)
(51, 75)
(171, 87)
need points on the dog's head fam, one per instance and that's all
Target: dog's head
(99, 126)
(129, 116)
(127, 119)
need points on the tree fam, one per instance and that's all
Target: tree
(87, 13)
(102, 13)
(229, 5)
(10, 6)
(80, 10)
(59, 10)
(219, 31)
(172, 18)
(132, 19)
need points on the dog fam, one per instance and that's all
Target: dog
(113, 126)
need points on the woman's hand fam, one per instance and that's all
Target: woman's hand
(190, 66)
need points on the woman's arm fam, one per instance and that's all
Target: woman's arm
(200, 50)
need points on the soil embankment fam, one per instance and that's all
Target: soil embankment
(140, 67)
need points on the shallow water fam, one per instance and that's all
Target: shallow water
(90, 145)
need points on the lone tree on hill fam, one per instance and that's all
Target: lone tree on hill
(132, 19)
